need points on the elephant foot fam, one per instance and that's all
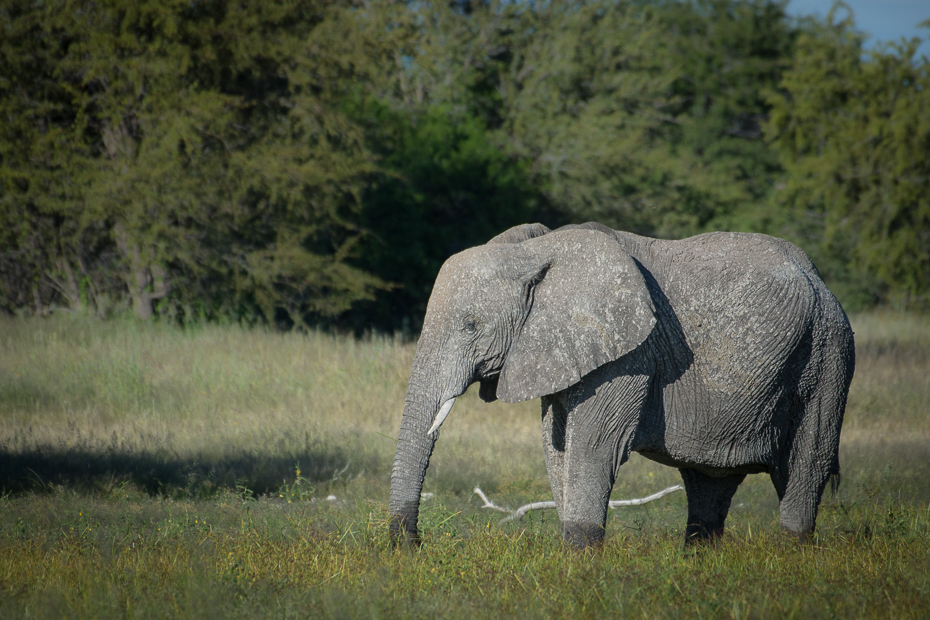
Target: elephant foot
(582, 535)
(697, 534)
(802, 536)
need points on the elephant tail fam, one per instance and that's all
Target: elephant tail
(835, 479)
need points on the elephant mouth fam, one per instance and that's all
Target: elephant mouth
(488, 389)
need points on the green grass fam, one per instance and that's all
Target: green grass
(151, 472)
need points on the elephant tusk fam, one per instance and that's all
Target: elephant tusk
(441, 416)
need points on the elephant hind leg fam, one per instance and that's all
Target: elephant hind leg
(813, 458)
(708, 503)
(799, 494)
(803, 477)
(813, 444)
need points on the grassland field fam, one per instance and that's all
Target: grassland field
(157, 472)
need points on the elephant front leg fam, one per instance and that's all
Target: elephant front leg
(589, 471)
(553, 431)
(601, 417)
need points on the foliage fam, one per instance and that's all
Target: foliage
(315, 162)
(596, 115)
(586, 95)
(444, 188)
(727, 56)
(853, 129)
(188, 150)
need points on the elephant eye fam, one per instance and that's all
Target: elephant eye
(471, 325)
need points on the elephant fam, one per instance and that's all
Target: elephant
(722, 355)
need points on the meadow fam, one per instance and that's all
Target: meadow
(216, 471)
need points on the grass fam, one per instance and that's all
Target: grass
(155, 472)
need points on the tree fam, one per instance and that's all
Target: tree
(853, 131)
(585, 96)
(201, 144)
(442, 187)
(727, 54)
(316, 162)
(40, 256)
(643, 115)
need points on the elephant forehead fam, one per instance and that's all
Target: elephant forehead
(466, 274)
(482, 261)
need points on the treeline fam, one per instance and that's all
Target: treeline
(314, 162)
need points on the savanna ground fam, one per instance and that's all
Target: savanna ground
(151, 471)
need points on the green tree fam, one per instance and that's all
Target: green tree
(585, 93)
(201, 143)
(727, 54)
(317, 161)
(595, 111)
(443, 186)
(853, 131)
(643, 115)
(39, 204)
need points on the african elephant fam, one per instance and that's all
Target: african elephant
(721, 355)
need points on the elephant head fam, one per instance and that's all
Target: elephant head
(525, 319)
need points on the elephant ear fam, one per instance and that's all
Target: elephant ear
(590, 306)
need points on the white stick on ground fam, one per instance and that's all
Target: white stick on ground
(519, 513)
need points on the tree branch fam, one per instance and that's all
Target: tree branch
(519, 513)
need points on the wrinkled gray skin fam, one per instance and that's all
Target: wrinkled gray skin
(722, 355)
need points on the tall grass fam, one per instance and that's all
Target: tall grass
(153, 472)
(214, 405)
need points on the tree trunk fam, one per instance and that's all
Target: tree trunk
(145, 280)
(63, 281)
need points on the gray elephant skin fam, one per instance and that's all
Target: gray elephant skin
(721, 355)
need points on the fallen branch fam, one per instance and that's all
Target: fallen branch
(519, 513)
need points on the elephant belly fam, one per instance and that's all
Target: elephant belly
(718, 433)
(709, 470)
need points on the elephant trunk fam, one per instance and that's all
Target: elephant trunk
(424, 410)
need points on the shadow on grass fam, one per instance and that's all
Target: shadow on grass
(43, 468)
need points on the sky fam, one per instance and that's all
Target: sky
(885, 20)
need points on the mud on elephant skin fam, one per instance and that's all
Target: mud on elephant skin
(722, 355)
